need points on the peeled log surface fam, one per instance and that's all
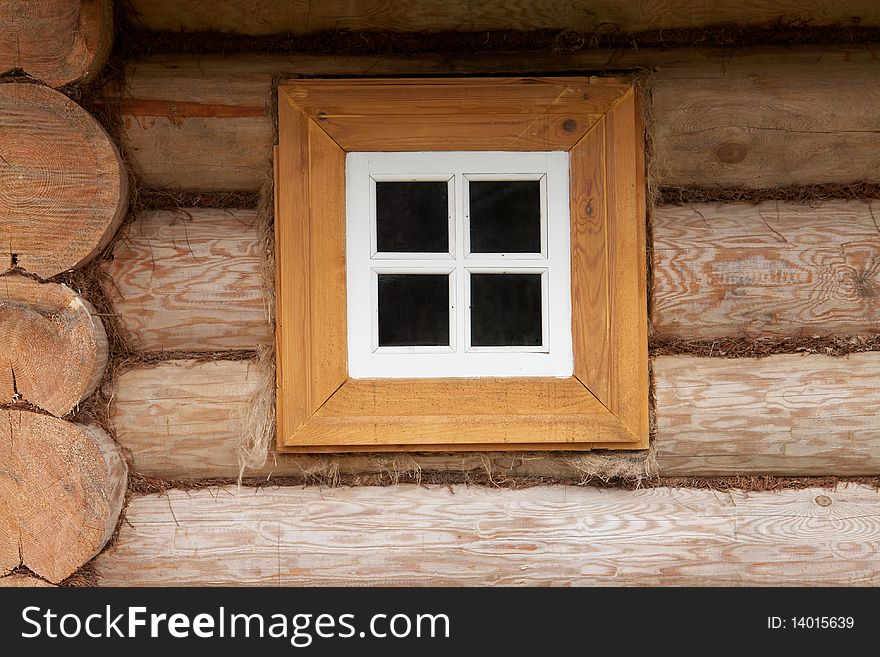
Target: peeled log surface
(792, 414)
(474, 536)
(186, 420)
(782, 415)
(608, 16)
(762, 122)
(23, 582)
(768, 269)
(62, 486)
(191, 280)
(63, 186)
(54, 347)
(56, 41)
(757, 118)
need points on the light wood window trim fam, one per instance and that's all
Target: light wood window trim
(604, 404)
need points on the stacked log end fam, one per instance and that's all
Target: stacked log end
(56, 348)
(63, 195)
(62, 487)
(63, 191)
(21, 581)
(56, 41)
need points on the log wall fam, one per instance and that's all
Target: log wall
(410, 535)
(778, 415)
(719, 270)
(191, 280)
(608, 16)
(760, 119)
(770, 269)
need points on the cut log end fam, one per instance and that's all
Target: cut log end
(56, 41)
(61, 491)
(23, 582)
(55, 348)
(63, 186)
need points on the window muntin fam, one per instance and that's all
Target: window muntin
(533, 259)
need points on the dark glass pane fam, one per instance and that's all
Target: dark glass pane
(505, 216)
(413, 310)
(412, 216)
(506, 310)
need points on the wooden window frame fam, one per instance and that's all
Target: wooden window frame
(603, 405)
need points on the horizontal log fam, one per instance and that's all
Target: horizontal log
(459, 535)
(758, 118)
(784, 415)
(191, 280)
(769, 121)
(769, 269)
(301, 16)
(792, 414)
(186, 420)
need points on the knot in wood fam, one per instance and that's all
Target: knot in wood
(823, 500)
(731, 152)
(569, 125)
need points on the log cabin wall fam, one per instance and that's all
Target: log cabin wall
(759, 119)
(765, 235)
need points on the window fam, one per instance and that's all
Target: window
(460, 265)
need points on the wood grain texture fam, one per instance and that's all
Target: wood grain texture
(191, 280)
(795, 414)
(424, 132)
(456, 536)
(768, 269)
(590, 327)
(23, 582)
(628, 301)
(297, 347)
(56, 41)
(300, 16)
(759, 118)
(576, 431)
(62, 486)
(755, 122)
(54, 346)
(552, 96)
(186, 420)
(328, 313)
(719, 269)
(63, 186)
(444, 114)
